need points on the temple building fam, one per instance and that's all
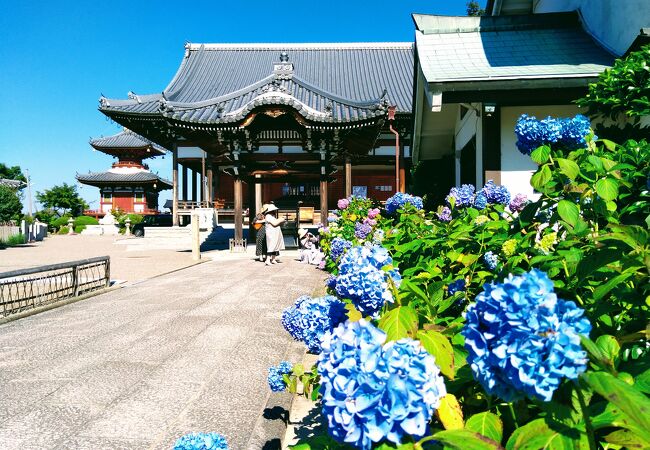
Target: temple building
(296, 124)
(128, 185)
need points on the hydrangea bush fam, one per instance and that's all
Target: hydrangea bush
(201, 441)
(534, 312)
(309, 319)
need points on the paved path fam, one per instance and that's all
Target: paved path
(137, 367)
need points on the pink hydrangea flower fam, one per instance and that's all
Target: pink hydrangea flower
(372, 213)
(343, 203)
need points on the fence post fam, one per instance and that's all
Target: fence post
(75, 280)
(196, 241)
(108, 271)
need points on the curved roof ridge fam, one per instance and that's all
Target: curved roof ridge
(338, 98)
(125, 139)
(184, 73)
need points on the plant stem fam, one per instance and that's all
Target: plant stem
(512, 413)
(585, 415)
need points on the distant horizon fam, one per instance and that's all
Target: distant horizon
(48, 104)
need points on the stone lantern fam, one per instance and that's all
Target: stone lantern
(70, 225)
(127, 223)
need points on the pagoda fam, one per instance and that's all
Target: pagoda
(128, 185)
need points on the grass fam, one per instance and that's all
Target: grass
(13, 241)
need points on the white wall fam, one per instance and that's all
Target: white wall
(516, 168)
(615, 23)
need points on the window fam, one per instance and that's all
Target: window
(139, 197)
(107, 197)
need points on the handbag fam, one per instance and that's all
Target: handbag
(257, 226)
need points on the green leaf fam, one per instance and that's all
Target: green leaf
(569, 168)
(569, 212)
(596, 162)
(632, 403)
(541, 154)
(610, 348)
(541, 178)
(607, 189)
(486, 424)
(605, 288)
(540, 434)
(439, 346)
(627, 439)
(399, 323)
(611, 146)
(449, 413)
(465, 440)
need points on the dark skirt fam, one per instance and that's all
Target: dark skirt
(260, 242)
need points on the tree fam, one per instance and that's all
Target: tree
(474, 9)
(10, 205)
(62, 199)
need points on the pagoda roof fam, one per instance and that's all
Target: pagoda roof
(535, 47)
(334, 83)
(136, 178)
(126, 140)
(13, 184)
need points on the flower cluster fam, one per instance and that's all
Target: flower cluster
(509, 247)
(518, 203)
(456, 286)
(362, 230)
(444, 214)
(374, 391)
(343, 203)
(547, 243)
(275, 379)
(201, 441)
(310, 318)
(400, 199)
(496, 194)
(491, 260)
(480, 220)
(567, 133)
(462, 196)
(523, 340)
(373, 213)
(378, 237)
(338, 247)
(364, 275)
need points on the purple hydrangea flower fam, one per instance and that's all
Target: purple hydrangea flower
(496, 194)
(321, 264)
(523, 340)
(362, 230)
(491, 260)
(518, 203)
(276, 382)
(201, 441)
(343, 203)
(374, 391)
(369, 221)
(338, 247)
(444, 214)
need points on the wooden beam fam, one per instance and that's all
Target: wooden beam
(237, 188)
(209, 184)
(323, 201)
(175, 186)
(204, 195)
(185, 182)
(348, 177)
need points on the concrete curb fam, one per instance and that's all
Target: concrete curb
(57, 304)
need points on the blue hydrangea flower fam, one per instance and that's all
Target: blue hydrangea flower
(276, 383)
(456, 286)
(310, 318)
(463, 196)
(573, 132)
(338, 247)
(363, 280)
(374, 391)
(201, 441)
(496, 194)
(400, 199)
(491, 260)
(330, 282)
(480, 201)
(378, 237)
(567, 133)
(523, 340)
(362, 230)
(444, 214)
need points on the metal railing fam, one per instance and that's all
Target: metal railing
(25, 289)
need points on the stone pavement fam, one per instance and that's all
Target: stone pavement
(138, 367)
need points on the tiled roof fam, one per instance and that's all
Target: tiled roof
(142, 177)
(220, 83)
(13, 184)
(126, 139)
(465, 49)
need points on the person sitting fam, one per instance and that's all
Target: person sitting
(309, 253)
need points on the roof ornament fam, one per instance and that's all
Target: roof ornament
(133, 96)
(103, 101)
(283, 70)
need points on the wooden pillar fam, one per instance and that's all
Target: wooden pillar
(348, 177)
(204, 196)
(258, 194)
(252, 209)
(402, 169)
(194, 187)
(323, 200)
(185, 182)
(239, 231)
(209, 186)
(175, 185)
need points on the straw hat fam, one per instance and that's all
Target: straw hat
(302, 232)
(265, 208)
(270, 208)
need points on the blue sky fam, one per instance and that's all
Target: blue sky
(57, 57)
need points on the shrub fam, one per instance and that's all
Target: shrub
(81, 222)
(13, 240)
(63, 230)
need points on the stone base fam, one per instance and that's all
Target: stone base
(101, 230)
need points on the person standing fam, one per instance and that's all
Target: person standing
(260, 239)
(274, 237)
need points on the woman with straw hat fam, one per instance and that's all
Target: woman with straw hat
(274, 237)
(260, 239)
